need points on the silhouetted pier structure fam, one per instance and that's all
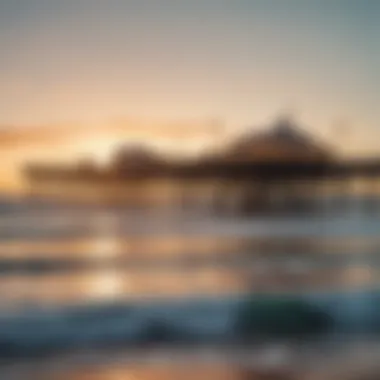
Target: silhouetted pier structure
(218, 186)
(281, 167)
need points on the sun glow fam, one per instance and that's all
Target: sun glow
(98, 149)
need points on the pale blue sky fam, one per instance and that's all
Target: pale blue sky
(241, 61)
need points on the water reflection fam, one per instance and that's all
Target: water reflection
(122, 255)
(114, 283)
(63, 257)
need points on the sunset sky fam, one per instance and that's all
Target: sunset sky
(92, 62)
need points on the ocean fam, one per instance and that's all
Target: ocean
(79, 284)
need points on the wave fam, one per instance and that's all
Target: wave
(37, 332)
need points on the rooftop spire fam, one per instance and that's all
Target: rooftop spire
(285, 125)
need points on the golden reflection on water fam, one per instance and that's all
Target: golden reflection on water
(174, 246)
(106, 244)
(112, 283)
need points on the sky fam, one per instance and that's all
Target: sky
(238, 62)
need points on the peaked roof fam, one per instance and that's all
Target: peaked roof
(284, 140)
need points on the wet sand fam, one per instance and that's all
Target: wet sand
(351, 360)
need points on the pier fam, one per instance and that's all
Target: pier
(281, 167)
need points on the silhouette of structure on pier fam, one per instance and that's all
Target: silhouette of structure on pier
(275, 166)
